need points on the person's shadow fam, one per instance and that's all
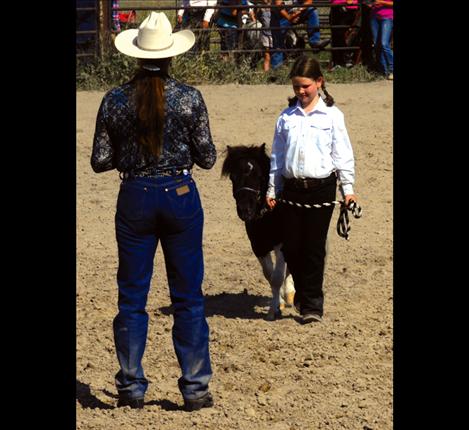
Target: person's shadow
(165, 404)
(88, 400)
(231, 305)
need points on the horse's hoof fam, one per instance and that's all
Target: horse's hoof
(272, 316)
(282, 306)
(290, 298)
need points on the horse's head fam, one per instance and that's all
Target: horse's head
(248, 169)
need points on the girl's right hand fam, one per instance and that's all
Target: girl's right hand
(270, 202)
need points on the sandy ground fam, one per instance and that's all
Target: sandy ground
(267, 375)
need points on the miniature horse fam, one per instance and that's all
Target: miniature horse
(248, 169)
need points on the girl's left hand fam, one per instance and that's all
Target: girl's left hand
(270, 202)
(349, 198)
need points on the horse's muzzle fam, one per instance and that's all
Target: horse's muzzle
(246, 213)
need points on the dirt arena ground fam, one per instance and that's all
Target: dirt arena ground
(267, 375)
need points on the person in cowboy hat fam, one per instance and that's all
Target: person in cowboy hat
(153, 129)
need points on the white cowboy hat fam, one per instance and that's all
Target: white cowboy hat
(154, 39)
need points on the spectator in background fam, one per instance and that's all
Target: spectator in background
(264, 16)
(299, 12)
(228, 21)
(343, 12)
(116, 24)
(381, 22)
(252, 38)
(86, 20)
(197, 18)
(367, 57)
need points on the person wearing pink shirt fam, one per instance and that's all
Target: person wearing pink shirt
(381, 21)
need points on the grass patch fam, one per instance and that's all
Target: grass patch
(115, 68)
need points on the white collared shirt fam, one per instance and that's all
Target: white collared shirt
(311, 145)
(200, 3)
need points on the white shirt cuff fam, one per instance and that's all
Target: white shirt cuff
(271, 193)
(347, 189)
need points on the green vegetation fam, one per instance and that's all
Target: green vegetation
(115, 68)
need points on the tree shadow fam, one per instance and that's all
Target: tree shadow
(231, 305)
(88, 400)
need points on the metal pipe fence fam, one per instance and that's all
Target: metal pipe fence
(214, 30)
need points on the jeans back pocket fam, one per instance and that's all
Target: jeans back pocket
(183, 199)
(131, 201)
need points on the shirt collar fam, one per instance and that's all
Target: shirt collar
(320, 107)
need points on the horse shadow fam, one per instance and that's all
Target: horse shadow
(231, 305)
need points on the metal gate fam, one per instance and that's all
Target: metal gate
(87, 24)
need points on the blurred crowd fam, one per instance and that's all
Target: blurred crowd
(361, 31)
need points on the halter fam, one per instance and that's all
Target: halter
(258, 192)
(264, 208)
(343, 222)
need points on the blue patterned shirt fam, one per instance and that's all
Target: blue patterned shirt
(186, 137)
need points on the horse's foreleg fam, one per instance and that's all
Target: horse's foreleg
(267, 266)
(278, 277)
(273, 279)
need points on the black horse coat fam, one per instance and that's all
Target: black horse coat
(265, 233)
(248, 167)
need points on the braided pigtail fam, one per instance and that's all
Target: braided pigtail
(292, 101)
(329, 100)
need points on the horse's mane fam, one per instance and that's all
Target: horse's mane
(236, 153)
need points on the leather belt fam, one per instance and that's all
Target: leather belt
(308, 183)
(154, 174)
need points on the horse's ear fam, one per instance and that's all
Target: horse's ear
(262, 148)
(228, 148)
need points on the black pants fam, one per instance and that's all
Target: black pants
(366, 40)
(193, 19)
(341, 16)
(304, 242)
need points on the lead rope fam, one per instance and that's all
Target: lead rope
(343, 222)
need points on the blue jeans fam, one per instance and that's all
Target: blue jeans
(381, 31)
(228, 34)
(149, 210)
(310, 16)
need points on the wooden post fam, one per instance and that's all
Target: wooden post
(105, 18)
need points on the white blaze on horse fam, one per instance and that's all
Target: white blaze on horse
(248, 169)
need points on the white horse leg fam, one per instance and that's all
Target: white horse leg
(267, 266)
(278, 277)
(287, 288)
(272, 278)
